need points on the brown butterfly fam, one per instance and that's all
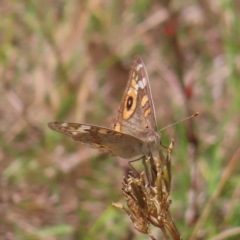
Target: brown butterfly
(133, 132)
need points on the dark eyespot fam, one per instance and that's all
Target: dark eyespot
(129, 102)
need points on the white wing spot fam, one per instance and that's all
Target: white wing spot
(139, 66)
(64, 124)
(144, 82)
(82, 128)
(141, 85)
(74, 133)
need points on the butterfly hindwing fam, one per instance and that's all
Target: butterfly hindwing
(104, 139)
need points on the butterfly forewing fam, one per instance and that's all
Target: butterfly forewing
(136, 112)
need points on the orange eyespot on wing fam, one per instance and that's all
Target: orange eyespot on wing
(130, 103)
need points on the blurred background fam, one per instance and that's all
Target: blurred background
(69, 61)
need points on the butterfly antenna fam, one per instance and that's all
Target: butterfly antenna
(194, 115)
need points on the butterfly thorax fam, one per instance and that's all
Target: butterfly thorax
(152, 141)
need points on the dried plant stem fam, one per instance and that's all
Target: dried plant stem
(147, 194)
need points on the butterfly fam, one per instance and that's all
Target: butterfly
(133, 131)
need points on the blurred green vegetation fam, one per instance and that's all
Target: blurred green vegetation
(69, 60)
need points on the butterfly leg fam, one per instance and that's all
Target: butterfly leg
(135, 160)
(150, 177)
(172, 143)
(163, 145)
